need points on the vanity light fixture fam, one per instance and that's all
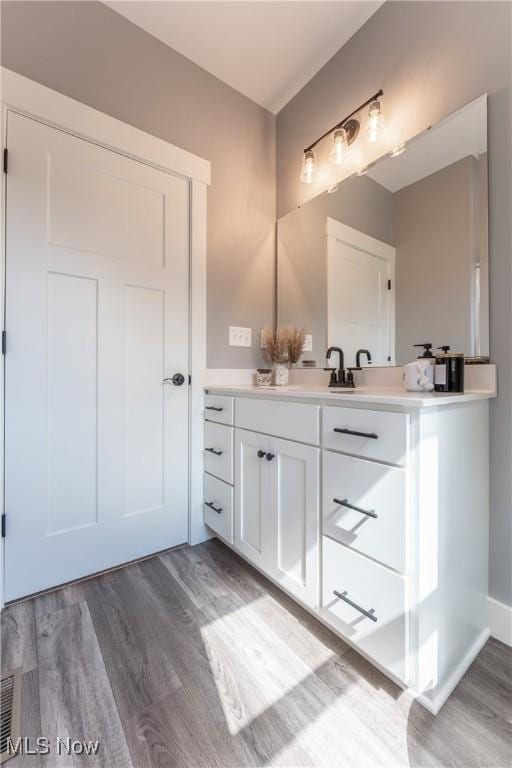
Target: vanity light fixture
(398, 150)
(375, 121)
(308, 167)
(343, 134)
(339, 146)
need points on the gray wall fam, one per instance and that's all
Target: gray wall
(302, 252)
(436, 241)
(89, 52)
(431, 58)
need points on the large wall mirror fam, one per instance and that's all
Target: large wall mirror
(397, 256)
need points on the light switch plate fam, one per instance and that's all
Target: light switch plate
(308, 343)
(240, 337)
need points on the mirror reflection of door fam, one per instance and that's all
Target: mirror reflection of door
(360, 296)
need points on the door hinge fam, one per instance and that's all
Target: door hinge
(389, 285)
(4, 342)
(3, 525)
(6, 161)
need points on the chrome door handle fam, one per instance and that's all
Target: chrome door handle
(178, 379)
(346, 503)
(343, 596)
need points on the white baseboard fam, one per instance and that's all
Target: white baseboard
(433, 700)
(500, 621)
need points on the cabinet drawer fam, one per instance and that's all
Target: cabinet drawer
(218, 450)
(377, 435)
(293, 421)
(218, 507)
(377, 527)
(219, 408)
(374, 590)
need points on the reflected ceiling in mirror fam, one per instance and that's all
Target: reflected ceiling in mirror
(398, 256)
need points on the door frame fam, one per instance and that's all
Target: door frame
(360, 241)
(27, 97)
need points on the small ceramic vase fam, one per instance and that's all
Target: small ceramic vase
(281, 374)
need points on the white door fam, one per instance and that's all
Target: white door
(295, 518)
(252, 496)
(360, 294)
(96, 316)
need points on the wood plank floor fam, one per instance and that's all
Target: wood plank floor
(194, 659)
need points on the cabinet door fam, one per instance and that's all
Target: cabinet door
(252, 496)
(295, 519)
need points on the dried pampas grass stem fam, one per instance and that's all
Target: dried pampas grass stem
(296, 338)
(274, 345)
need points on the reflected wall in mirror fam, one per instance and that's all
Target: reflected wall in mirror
(398, 256)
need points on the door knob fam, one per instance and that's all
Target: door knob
(178, 379)
(269, 456)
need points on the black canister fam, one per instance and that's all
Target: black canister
(449, 371)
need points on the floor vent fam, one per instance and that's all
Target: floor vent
(10, 705)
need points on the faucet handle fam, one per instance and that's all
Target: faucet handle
(350, 376)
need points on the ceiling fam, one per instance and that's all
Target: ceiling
(265, 49)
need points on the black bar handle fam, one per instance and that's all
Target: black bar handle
(369, 614)
(213, 408)
(210, 504)
(214, 450)
(371, 435)
(346, 503)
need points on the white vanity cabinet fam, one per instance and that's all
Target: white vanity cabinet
(253, 494)
(364, 506)
(373, 514)
(277, 510)
(218, 466)
(277, 492)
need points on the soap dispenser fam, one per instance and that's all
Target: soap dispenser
(449, 371)
(419, 375)
(427, 351)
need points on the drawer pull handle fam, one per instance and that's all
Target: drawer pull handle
(270, 456)
(214, 450)
(213, 408)
(371, 435)
(346, 503)
(210, 504)
(343, 596)
(261, 454)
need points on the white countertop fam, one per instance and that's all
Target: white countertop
(382, 396)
